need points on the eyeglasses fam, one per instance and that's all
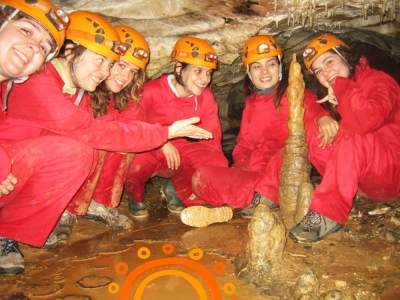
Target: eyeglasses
(58, 17)
(140, 54)
(208, 57)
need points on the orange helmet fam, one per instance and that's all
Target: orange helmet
(138, 51)
(318, 46)
(54, 20)
(259, 47)
(95, 33)
(195, 51)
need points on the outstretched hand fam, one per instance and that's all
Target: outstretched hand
(186, 128)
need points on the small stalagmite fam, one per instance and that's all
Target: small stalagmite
(307, 285)
(295, 170)
(265, 248)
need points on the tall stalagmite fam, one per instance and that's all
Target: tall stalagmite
(295, 170)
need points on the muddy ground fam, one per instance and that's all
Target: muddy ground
(99, 263)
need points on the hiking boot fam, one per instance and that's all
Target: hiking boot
(200, 216)
(51, 242)
(108, 215)
(247, 212)
(313, 228)
(11, 258)
(138, 210)
(63, 228)
(174, 204)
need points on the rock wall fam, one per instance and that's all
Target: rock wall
(371, 27)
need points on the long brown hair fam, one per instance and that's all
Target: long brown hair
(353, 60)
(102, 97)
(282, 85)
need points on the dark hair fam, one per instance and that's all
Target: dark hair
(178, 77)
(102, 97)
(76, 51)
(353, 59)
(282, 85)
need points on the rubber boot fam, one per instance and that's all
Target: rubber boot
(174, 204)
(138, 210)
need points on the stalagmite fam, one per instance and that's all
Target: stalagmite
(295, 170)
(307, 285)
(265, 247)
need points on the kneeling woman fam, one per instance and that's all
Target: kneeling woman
(183, 94)
(254, 175)
(365, 154)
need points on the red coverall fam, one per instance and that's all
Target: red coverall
(365, 155)
(51, 142)
(161, 105)
(257, 155)
(105, 185)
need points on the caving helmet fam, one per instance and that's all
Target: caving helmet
(96, 34)
(319, 46)
(138, 51)
(260, 46)
(195, 51)
(54, 20)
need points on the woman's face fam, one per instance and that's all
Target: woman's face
(196, 79)
(91, 70)
(122, 74)
(265, 72)
(328, 66)
(24, 46)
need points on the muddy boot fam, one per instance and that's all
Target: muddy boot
(64, 227)
(247, 212)
(313, 228)
(51, 242)
(138, 210)
(174, 204)
(108, 215)
(11, 258)
(200, 216)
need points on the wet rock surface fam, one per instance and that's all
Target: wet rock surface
(359, 260)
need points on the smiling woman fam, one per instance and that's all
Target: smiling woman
(54, 143)
(29, 35)
(184, 93)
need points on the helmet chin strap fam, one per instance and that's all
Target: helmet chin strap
(81, 92)
(189, 91)
(9, 86)
(341, 56)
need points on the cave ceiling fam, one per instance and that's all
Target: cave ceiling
(228, 24)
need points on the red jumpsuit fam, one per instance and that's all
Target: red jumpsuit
(365, 154)
(51, 142)
(161, 105)
(257, 155)
(106, 183)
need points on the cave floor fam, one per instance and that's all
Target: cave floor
(161, 258)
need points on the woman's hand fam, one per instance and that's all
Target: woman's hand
(8, 185)
(330, 97)
(171, 155)
(327, 128)
(186, 128)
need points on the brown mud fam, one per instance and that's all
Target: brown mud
(362, 259)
